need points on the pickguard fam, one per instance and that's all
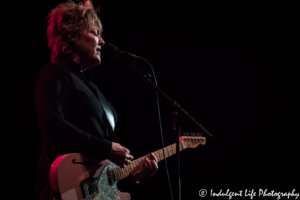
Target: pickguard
(107, 191)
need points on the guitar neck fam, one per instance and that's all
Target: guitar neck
(138, 164)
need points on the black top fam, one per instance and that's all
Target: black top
(71, 117)
(70, 112)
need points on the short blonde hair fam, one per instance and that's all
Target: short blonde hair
(68, 20)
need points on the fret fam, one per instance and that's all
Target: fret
(156, 153)
(128, 167)
(170, 151)
(117, 174)
(132, 167)
(174, 148)
(138, 164)
(126, 170)
(161, 155)
(135, 164)
(166, 152)
(123, 173)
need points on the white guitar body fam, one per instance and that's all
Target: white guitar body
(75, 177)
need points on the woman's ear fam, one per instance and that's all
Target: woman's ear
(74, 39)
(73, 42)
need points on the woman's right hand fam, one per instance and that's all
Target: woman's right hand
(120, 155)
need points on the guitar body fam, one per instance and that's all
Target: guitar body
(77, 177)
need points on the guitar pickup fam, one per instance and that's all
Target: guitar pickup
(89, 186)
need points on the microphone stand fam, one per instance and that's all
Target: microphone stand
(176, 118)
(146, 79)
(177, 130)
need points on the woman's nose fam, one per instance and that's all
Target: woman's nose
(101, 41)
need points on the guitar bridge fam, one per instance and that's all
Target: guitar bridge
(89, 186)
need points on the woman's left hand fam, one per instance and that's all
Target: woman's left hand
(149, 169)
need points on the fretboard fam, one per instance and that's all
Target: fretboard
(138, 164)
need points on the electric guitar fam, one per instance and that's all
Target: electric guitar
(77, 177)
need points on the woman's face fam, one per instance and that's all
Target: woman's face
(88, 47)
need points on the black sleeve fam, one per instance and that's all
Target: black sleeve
(52, 96)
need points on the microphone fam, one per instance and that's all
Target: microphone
(110, 51)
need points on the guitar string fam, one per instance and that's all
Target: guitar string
(136, 163)
(90, 183)
(118, 173)
(131, 167)
(123, 172)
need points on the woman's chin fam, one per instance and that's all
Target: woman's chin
(95, 62)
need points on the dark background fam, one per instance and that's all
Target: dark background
(230, 66)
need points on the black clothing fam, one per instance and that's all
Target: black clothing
(70, 114)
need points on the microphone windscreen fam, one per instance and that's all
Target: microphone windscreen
(109, 51)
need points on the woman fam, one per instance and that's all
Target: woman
(73, 114)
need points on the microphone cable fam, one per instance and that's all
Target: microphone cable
(110, 51)
(161, 134)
